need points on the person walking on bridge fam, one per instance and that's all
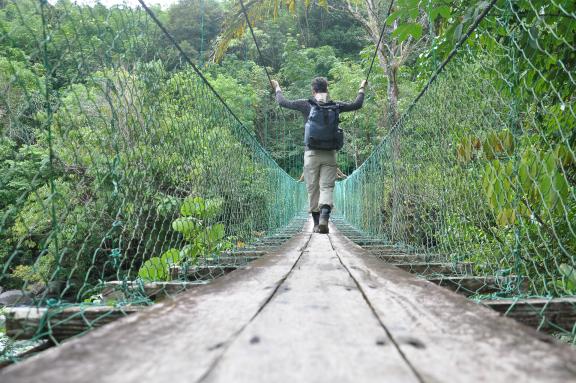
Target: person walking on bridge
(322, 139)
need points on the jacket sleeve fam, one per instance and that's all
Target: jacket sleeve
(299, 105)
(350, 106)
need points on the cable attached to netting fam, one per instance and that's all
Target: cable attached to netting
(186, 58)
(374, 54)
(436, 73)
(202, 77)
(379, 40)
(255, 40)
(245, 12)
(453, 52)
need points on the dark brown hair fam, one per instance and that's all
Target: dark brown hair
(320, 85)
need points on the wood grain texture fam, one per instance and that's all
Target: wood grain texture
(175, 341)
(430, 268)
(64, 322)
(549, 315)
(468, 285)
(318, 309)
(448, 338)
(318, 328)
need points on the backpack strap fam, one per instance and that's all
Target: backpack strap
(312, 101)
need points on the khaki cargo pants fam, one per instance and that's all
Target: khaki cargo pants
(320, 176)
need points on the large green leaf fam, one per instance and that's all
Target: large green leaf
(498, 184)
(403, 31)
(441, 11)
(185, 225)
(191, 251)
(200, 208)
(154, 269)
(193, 207)
(171, 257)
(212, 235)
(216, 233)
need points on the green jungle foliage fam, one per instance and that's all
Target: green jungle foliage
(483, 167)
(111, 168)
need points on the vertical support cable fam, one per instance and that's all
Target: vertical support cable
(48, 127)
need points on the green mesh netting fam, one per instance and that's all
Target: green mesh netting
(124, 178)
(121, 170)
(480, 172)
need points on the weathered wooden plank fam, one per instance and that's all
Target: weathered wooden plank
(318, 328)
(208, 272)
(282, 236)
(449, 338)
(67, 322)
(371, 242)
(385, 250)
(61, 323)
(39, 347)
(174, 341)
(396, 255)
(544, 314)
(294, 316)
(156, 290)
(269, 242)
(400, 258)
(352, 233)
(427, 268)
(244, 253)
(226, 261)
(471, 285)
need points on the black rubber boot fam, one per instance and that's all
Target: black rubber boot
(316, 219)
(324, 217)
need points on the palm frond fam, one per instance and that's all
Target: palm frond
(234, 24)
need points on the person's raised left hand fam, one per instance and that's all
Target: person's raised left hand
(275, 85)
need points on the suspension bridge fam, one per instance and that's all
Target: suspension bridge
(158, 240)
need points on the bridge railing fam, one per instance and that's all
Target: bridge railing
(482, 166)
(119, 162)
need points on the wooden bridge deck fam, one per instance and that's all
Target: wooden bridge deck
(315, 310)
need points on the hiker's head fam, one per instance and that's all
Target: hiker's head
(319, 85)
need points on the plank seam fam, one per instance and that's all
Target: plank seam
(235, 335)
(375, 313)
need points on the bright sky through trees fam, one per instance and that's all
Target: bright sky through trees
(163, 3)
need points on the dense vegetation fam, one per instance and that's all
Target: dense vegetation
(483, 167)
(106, 134)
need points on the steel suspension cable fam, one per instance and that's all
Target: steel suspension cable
(199, 73)
(379, 40)
(440, 69)
(370, 72)
(255, 40)
(186, 58)
(245, 12)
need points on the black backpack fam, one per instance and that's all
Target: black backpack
(321, 130)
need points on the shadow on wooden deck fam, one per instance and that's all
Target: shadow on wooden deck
(314, 310)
